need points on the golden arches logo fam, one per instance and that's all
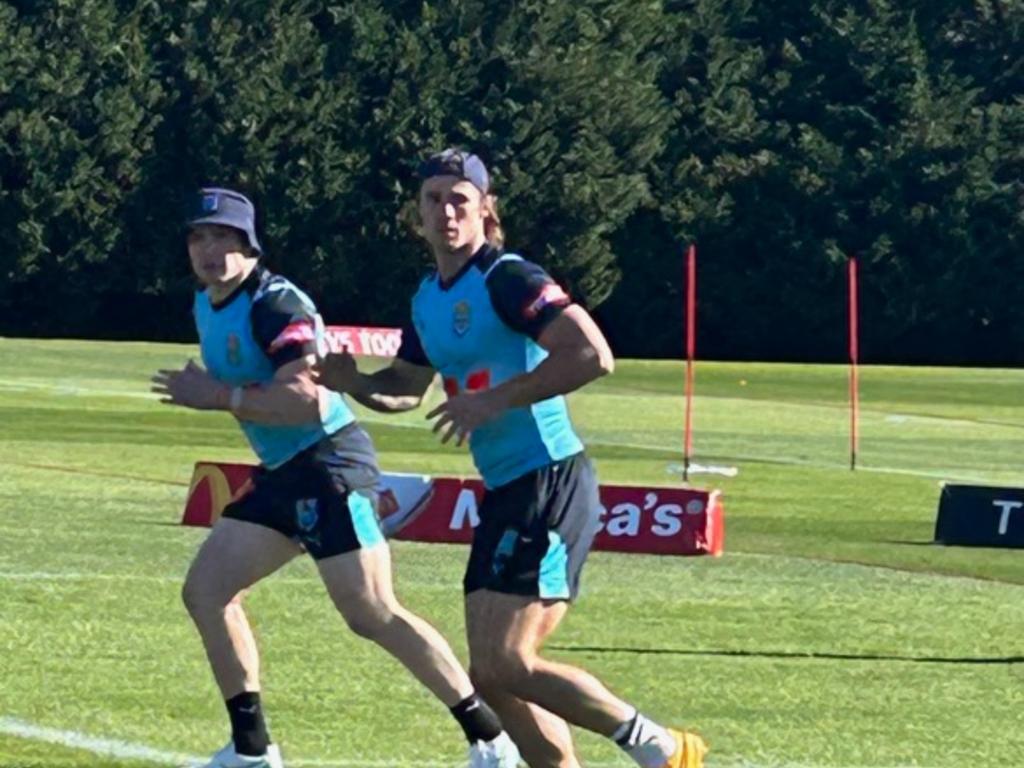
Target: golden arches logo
(218, 485)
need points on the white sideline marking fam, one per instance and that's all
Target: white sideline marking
(120, 750)
(124, 750)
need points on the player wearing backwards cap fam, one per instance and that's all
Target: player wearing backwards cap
(509, 343)
(315, 489)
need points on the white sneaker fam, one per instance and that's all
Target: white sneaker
(501, 752)
(228, 758)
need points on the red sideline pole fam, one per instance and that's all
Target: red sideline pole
(691, 345)
(854, 360)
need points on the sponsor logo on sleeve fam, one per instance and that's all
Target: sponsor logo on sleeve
(550, 295)
(302, 332)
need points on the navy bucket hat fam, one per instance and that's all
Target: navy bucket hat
(214, 205)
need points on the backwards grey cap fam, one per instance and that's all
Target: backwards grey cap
(462, 165)
(214, 205)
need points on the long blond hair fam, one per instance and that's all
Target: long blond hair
(493, 230)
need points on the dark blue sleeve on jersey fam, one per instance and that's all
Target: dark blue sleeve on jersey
(284, 326)
(525, 297)
(411, 349)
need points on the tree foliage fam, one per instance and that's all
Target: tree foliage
(780, 137)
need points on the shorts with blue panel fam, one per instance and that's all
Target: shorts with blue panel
(535, 532)
(324, 497)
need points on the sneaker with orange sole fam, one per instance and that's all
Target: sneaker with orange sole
(690, 750)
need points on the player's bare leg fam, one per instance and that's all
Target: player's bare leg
(360, 584)
(235, 556)
(544, 739)
(506, 633)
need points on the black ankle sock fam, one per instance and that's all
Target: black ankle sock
(629, 737)
(248, 730)
(478, 720)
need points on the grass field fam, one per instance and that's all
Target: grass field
(831, 633)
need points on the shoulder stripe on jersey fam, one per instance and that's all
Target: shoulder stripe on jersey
(504, 257)
(275, 284)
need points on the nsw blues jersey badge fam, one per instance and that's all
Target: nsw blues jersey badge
(461, 318)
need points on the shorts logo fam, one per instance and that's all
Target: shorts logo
(460, 318)
(306, 514)
(504, 551)
(234, 349)
(210, 203)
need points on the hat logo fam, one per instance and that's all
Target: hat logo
(210, 203)
(460, 318)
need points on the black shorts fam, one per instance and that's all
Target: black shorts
(535, 532)
(324, 498)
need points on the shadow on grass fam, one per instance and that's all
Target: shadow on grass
(810, 655)
(908, 543)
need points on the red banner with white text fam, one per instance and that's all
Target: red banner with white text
(363, 340)
(648, 520)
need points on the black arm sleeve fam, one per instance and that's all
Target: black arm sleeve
(411, 349)
(284, 324)
(525, 297)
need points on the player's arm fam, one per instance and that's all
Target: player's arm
(284, 325)
(530, 302)
(401, 386)
(291, 397)
(578, 353)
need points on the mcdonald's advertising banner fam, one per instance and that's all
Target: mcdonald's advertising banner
(649, 520)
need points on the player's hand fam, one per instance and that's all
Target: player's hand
(459, 415)
(191, 387)
(337, 371)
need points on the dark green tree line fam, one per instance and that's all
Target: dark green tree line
(781, 137)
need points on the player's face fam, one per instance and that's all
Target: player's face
(452, 213)
(219, 254)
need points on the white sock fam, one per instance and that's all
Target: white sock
(646, 742)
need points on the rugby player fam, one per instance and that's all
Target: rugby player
(509, 343)
(315, 490)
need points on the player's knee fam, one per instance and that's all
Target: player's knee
(483, 677)
(508, 670)
(371, 622)
(195, 597)
(202, 601)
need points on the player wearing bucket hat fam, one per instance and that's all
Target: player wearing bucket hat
(315, 491)
(214, 205)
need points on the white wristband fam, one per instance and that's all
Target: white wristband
(235, 402)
